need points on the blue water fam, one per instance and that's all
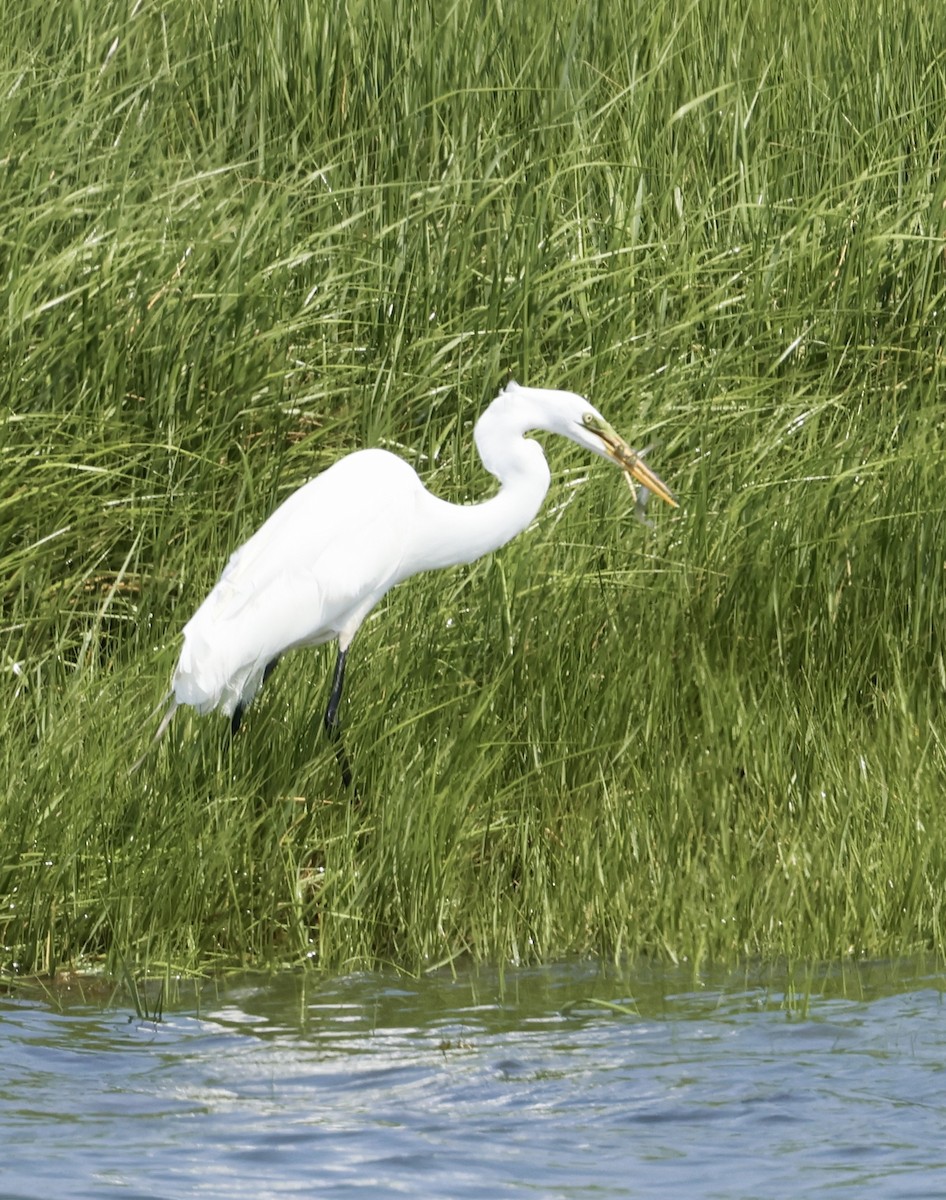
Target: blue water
(564, 1082)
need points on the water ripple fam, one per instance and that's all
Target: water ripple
(562, 1083)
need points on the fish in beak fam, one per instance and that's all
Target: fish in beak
(631, 463)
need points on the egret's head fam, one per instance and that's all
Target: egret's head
(518, 409)
(601, 439)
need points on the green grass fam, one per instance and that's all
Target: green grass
(238, 241)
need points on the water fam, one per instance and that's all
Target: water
(564, 1082)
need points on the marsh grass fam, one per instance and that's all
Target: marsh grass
(239, 241)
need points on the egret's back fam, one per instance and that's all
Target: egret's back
(309, 574)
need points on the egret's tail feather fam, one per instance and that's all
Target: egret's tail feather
(162, 729)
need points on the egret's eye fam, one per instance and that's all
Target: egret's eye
(590, 421)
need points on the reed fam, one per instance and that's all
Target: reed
(240, 240)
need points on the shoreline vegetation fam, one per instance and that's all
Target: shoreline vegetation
(239, 241)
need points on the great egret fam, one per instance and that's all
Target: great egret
(315, 569)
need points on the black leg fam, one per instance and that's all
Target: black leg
(237, 719)
(338, 682)
(331, 718)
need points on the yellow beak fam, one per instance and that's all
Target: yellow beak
(633, 465)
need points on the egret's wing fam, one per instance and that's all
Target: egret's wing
(318, 564)
(338, 503)
(315, 597)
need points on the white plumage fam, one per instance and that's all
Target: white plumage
(326, 556)
(310, 574)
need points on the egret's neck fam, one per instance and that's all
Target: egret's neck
(464, 532)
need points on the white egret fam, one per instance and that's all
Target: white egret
(315, 569)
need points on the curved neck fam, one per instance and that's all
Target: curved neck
(460, 533)
(457, 533)
(468, 531)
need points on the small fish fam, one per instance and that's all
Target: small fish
(635, 470)
(641, 496)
